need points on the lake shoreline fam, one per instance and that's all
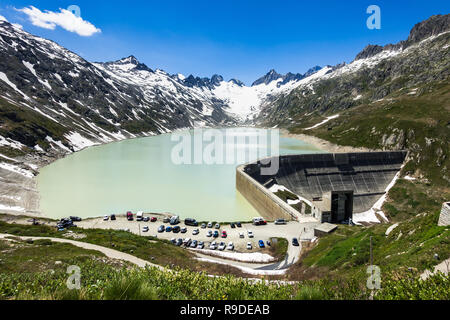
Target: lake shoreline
(322, 144)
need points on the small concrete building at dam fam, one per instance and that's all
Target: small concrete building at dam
(330, 186)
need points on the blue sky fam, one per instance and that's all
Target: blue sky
(240, 39)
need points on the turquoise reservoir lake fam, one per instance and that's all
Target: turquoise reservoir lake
(141, 174)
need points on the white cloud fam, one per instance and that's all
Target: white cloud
(65, 19)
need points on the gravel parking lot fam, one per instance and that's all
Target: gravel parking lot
(299, 230)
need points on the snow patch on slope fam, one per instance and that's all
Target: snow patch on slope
(16, 169)
(78, 141)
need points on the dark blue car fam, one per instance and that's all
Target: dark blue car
(261, 244)
(295, 242)
(168, 229)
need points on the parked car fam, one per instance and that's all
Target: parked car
(173, 240)
(194, 244)
(217, 226)
(222, 246)
(295, 242)
(259, 221)
(241, 235)
(250, 234)
(183, 230)
(139, 216)
(238, 224)
(232, 225)
(200, 245)
(175, 220)
(146, 219)
(179, 242)
(216, 234)
(261, 244)
(176, 229)
(144, 229)
(153, 219)
(249, 245)
(210, 224)
(195, 232)
(105, 217)
(129, 216)
(224, 234)
(161, 228)
(187, 241)
(280, 221)
(213, 245)
(256, 220)
(203, 226)
(209, 233)
(268, 243)
(230, 246)
(78, 218)
(169, 229)
(166, 220)
(113, 217)
(65, 223)
(190, 222)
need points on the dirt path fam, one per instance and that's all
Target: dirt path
(110, 253)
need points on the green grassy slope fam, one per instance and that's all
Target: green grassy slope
(419, 123)
(109, 279)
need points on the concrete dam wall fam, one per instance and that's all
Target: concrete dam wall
(263, 200)
(311, 176)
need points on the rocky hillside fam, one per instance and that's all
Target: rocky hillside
(391, 97)
(54, 101)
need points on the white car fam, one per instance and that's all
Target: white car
(105, 217)
(230, 246)
(241, 235)
(200, 245)
(209, 225)
(217, 226)
(222, 246)
(209, 234)
(144, 229)
(250, 234)
(249, 245)
(213, 245)
(195, 232)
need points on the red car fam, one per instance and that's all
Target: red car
(153, 219)
(129, 216)
(224, 234)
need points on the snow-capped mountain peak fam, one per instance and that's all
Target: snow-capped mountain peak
(270, 76)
